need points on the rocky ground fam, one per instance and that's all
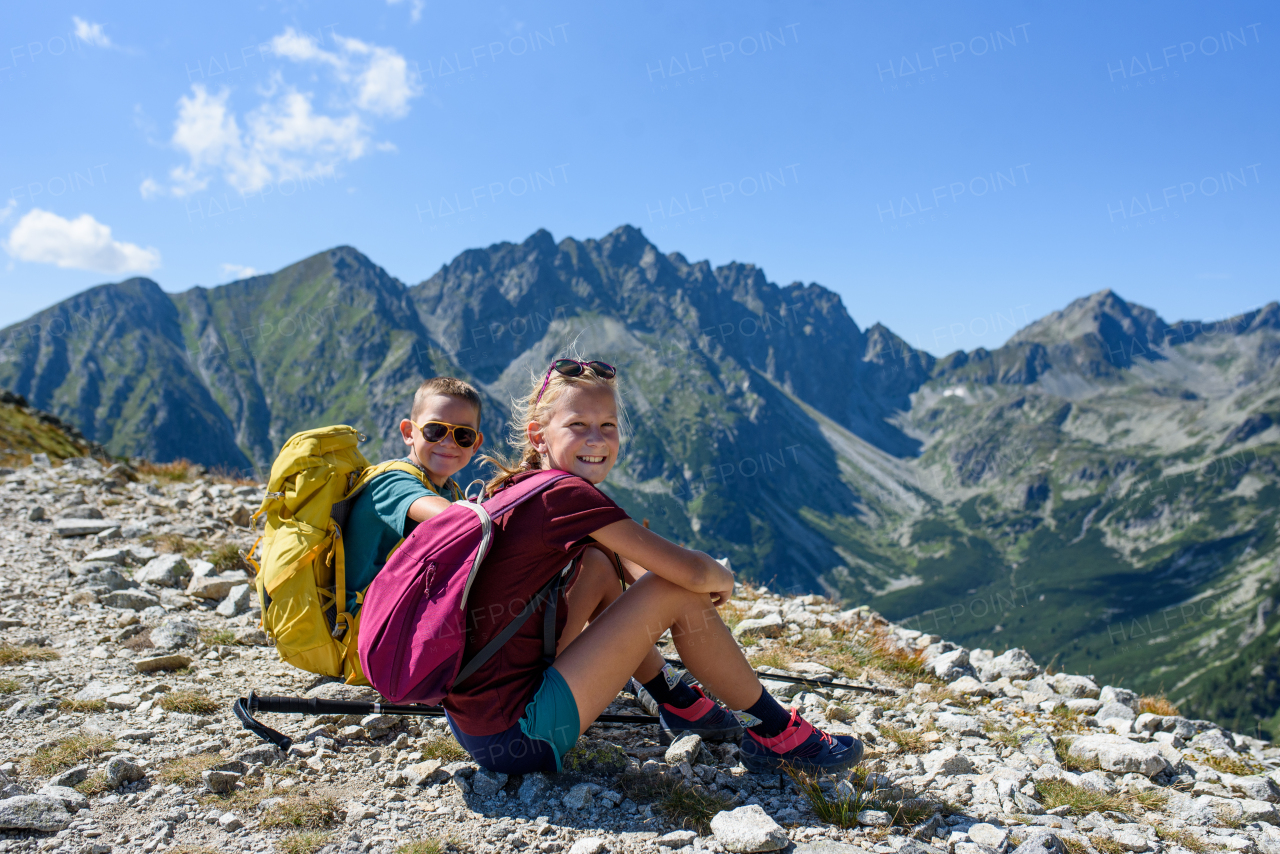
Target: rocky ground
(129, 626)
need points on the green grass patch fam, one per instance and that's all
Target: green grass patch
(301, 812)
(175, 544)
(218, 637)
(423, 846)
(908, 741)
(187, 770)
(10, 686)
(94, 785)
(1229, 764)
(82, 706)
(227, 557)
(1181, 836)
(306, 842)
(842, 806)
(188, 701)
(681, 804)
(595, 757)
(775, 656)
(1062, 747)
(444, 747)
(69, 752)
(11, 654)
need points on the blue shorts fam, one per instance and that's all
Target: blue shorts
(538, 741)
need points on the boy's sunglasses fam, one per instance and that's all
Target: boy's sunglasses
(435, 431)
(574, 368)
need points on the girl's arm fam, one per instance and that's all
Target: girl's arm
(690, 569)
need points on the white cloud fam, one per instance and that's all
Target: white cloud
(8, 209)
(91, 33)
(285, 137)
(237, 271)
(415, 8)
(82, 243)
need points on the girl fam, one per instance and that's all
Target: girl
(515, 714)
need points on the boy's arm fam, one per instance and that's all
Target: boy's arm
(426, 507)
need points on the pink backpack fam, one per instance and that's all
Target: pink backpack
(413, 623)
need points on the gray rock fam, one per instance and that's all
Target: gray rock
(251, 636)
(1123, 696)
(485, 783)
(1014, 663)
(768, 626)
(989, 835)
(71, 777)
(261, 754)
(110, 579)
(874, 818)
(121, 770)
(129, 600)
(1213, 740)
(534, 788)
(959, 724)
(97, 690)
(45, 813)
(175, 633)
(748, 829)
(589, 845)
(215, 586)
(220, 782)
(36, 514)
(159, 663)
(71, 799)
(230, 822)
(1075, 687)
(237, 601)
(581, 796)
(64, 527)
(119, 557)
(1036, 744)
(1119, 754)
(950, 666)
(1114, 710)
(1258, 788)
(378, 725)
(970, 686)
(947, 760)
(30, 708)
(423, 773)
(684, 749)
(1084, 706)
(80, 511)
(1042, 842)
(676, 839)
(165, 571)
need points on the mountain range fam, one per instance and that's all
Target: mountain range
(1101, 489)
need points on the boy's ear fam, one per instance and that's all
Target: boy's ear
(406, 431)
(479, 442)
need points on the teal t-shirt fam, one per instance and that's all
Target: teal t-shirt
(379, 519)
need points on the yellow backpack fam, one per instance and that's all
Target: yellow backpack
(301, 573)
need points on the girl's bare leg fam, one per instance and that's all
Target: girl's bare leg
(594, 590)
(620, 639)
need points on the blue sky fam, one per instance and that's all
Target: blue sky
(942, 168)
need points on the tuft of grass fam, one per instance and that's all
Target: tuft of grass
(1057, 793)
(444, 747)
(10, 686)
(842, 809)
(301, 812)
(882, 652)
(1181, 836)
(187, 770)
(82, 706)
(732, 613)
(1002, 736)
(1157, 704)
(227, 557)
(775, 656)
(11, 654)
(175, 544)
(1062, 747)
(218, 637)
(423, 846)
(188, 701)
(1229, 764)
(907, 740)
(95, 785)
(139, 642)
(682, 804)
(69, 752)
(178, 471)
(1074, 846)
(194, 849)
(307, 842)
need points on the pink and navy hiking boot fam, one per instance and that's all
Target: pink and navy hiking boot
(800, 746)
(705, 717)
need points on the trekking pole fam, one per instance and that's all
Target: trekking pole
(245, 708)
(822, 683)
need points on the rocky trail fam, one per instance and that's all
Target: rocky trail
(128, 625)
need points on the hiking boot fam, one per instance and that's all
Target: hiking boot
(705, 718)
(800, 746)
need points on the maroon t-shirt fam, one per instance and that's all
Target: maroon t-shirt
(531, 544)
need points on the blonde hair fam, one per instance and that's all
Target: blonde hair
(532, 409)
(450, 386)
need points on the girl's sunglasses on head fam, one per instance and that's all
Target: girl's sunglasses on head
(435, 431)
(574, 368)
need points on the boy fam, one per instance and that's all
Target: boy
(442, 433)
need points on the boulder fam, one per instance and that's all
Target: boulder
(534, 788)
(71, 799)
(1036, 744)
(959, 724)
(1110, 711)
(64, 527)
(486, 783)
(237, 601)
(215, 586)
(1075, 686)
(1119, 754)
(1014, 663)
(165, 571)
(129, 600)
(770, 626)
(97, 690)
(422, 773)
(748, 829)
(159, 663)
(220, 782)
(684, 749)
(589, 845)
(950, 666)
(581, 796)
(121, 770)
(175, 633)
(1041, 842)
(45, 813)
(1112, 694)
(947, 760)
